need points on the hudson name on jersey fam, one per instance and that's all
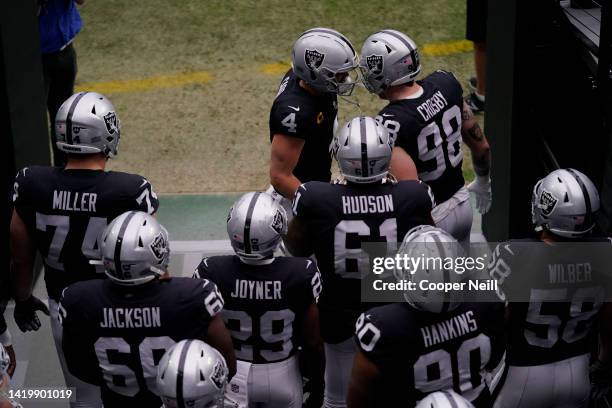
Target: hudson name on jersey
(264, 304)
(65, 211)
(339, 219)
(298, 113)
(428, 128)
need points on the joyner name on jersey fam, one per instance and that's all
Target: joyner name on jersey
(259, 290)
(74, 201)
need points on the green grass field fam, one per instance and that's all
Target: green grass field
(213, 136)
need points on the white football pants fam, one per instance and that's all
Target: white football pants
(87, 395)
(563, 384)
(338, 366)
(455, 215)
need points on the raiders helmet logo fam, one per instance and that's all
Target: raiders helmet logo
(158, 247)
(313, 59)
(277, 222)
(548, 202)
(110, 119)
(218, 376)
(375, 64)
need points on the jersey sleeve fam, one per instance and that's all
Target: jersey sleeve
(207, 294)
(292, 118)
(20, 196)
(312, 283)
(77, 345)
(203, 271)
(500, 266)
(371, 339)
(304, 200)
(144, 198)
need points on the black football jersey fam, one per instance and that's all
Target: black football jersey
(339, 219)
(115, 336)
(66, 211)
(297, 113)
(420, 352)
(264, 304)
(565, 293)
(428, 128)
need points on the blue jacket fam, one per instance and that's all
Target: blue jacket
(58, 23)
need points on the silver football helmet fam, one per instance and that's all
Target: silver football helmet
(565, 203)
(5, 361)
(434, 246)
(255, 225)
(388, 58)
(135, 249)
(87, 123)
(444, 399)
(319, 55)
(363, 149)
(192, 374)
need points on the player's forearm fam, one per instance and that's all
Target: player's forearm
(286, 184)
(481, 162)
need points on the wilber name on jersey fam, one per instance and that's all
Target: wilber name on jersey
(264, 303)
(338, 219)
(65, 212)
(115, 336)
(419, 352)
(555, 294)
(298, 113)
(428, 128)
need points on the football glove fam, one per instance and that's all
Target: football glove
(25, 313)
(481, 187)
(601, 379)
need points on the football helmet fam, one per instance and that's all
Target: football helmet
(319, 54)
(87, 123)
(135, 249)
(363, 149)
(255, 225)
(5, 361)
(565, 203)
(388, 58)
(444, 399)
(434, 247)
(192, 374)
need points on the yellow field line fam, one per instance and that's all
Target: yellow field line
(438, 49)
(146, 84)
(202, 77)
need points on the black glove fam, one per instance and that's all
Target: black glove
(601, 379)
(25, 313)
(313, 393)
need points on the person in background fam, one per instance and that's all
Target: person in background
(476, 31)
(59, 22)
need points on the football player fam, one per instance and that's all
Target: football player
(333, 220)
(303, 115)
(60, 213)
(431, 342)
(270, 304)
(192, 374)
(427, 120)
(551, 336)
(116, 330)
(5, 364)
